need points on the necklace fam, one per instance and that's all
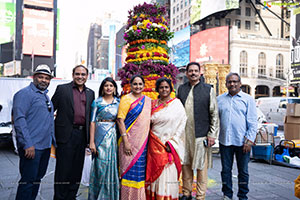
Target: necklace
(163, 102)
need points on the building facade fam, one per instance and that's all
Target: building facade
(258, 49)
(179, 14)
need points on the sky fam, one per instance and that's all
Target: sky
(75, 19)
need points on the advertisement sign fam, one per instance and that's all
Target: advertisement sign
(7, 22)
(295, 44)
(38, 32)
(40, 3)
(210, 45)
(203, 8)
(180, 47)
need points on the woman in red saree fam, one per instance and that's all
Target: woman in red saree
(134, 123)
(165, 145)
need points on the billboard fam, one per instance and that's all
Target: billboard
(295, 44)
(180, 47)
(7, 22)
(210, 45)
(40, 3)
(38, 32)
(203, 8)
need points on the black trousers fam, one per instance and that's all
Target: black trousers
(69, 165)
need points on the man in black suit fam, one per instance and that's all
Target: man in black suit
(73, 104)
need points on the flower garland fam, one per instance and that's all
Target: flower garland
(147, 21)
(146, 68)
(147, 40)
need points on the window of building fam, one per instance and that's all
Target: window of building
(238, 23)
(257, 26)
(279, 66)
(247, 1)
(174, 10)
(181, 17)
(208, 21)
(181, 27)
(185, 24)
(261, 64)
(177, 29)
(258, 10)
(173, 21)
(190, 11)
(228, 22)
(287, 13)
(177, 19)
(174, 1)
(217, 22)
(177, 7)
(185, 14)
(185, 2)
(189, 1)
(248, 11)
(238, 11)
(287, 28)
(247, 25)
(243, 63)
(181, 4)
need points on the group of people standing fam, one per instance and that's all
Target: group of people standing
(140, 146)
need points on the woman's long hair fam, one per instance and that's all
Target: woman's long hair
(108, 79)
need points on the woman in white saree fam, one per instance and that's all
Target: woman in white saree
(165, 145)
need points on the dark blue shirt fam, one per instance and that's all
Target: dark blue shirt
(33, 119)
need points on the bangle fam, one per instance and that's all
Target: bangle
(123, 134)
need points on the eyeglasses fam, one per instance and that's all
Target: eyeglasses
(235, 82)
(48, 105)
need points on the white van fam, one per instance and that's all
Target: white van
(274, 108)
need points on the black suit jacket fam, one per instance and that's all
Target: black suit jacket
(64, 104)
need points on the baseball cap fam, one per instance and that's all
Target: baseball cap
(43, 69)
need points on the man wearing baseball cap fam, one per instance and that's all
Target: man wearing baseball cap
(34, 125)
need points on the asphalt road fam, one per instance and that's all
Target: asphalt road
(266, 181)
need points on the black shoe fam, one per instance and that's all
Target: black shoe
(185, 197)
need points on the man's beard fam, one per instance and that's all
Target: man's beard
(41, 86)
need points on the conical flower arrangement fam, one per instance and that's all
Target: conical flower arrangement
(146, 36)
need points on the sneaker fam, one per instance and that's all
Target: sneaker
(226, 198)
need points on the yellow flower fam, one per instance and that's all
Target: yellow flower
(134, 27)
(145, 22)
(155, 29)
(134, 17)
(163, 19)
(142, 15)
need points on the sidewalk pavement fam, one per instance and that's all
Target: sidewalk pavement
(266, 181)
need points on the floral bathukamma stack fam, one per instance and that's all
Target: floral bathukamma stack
(146, 36)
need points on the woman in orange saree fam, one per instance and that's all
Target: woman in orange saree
(134, 123)
(165, 145)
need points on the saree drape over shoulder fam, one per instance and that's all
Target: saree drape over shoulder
(104, 179)
(163, 168)
(133, 168)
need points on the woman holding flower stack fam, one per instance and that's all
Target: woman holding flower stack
(166, 144)
(134, 123)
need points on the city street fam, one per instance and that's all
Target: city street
(266, 181)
